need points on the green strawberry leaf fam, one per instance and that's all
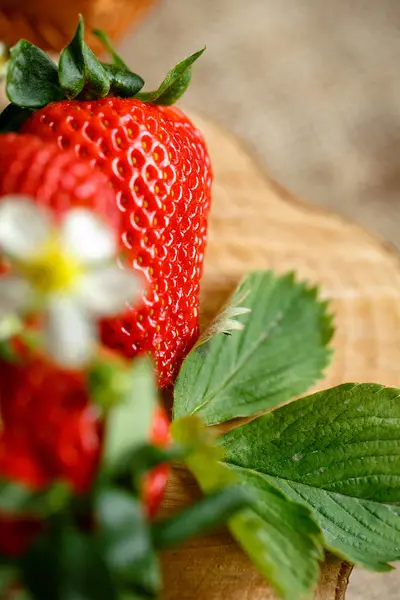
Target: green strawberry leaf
(32, 77)
(124, 537)
(175, 83)
(280, 536)
(72, 65)
(109, 381)
(15, 498)
(360, 531)
(210, 512)
(129, 421)
(204, 456)
(144, 458)
(123, 84)
(281, 352)
(65, 564)
(33, 80)
(105, 40)
(338, 452)
(80, 69)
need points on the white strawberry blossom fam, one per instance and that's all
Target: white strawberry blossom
(66, 270)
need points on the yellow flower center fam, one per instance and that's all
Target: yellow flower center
(51, 269)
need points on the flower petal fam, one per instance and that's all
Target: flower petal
(87, 237)
(23, 226)
(70, 334)
(15, 295)
(106, 291)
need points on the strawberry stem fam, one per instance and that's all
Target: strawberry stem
(34, 80)
(175, 83)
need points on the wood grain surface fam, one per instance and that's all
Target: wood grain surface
(256, 224)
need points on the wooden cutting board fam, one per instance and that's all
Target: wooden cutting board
(255, 223)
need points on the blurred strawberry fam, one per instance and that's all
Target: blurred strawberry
(52, 432)
(157, 164)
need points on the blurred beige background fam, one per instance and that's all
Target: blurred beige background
(312, 87)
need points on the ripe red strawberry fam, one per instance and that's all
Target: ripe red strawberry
(55, 179)
(158, 166)
(51, 431)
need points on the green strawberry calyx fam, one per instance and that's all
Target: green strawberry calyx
(34, 80)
